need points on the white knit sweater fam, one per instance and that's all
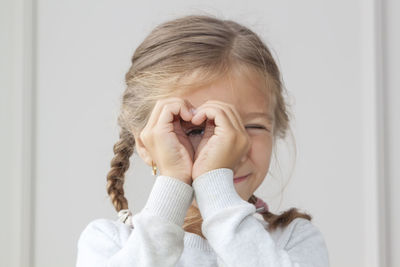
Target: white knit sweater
(234, 234)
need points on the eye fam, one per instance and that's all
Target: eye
(257, 127)
(195, 131)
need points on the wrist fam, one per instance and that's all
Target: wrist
(202, 172)
(182, 177)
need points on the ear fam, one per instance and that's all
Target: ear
(141, 149)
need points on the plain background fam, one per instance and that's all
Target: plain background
(62, 75)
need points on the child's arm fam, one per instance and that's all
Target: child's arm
(239, 239)
(157, 237)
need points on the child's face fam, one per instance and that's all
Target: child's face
(242, 91)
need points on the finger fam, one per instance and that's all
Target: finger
(217, 114)
(155, 113)
(174, 108)
(154, 117)
(236, 122)
(234, 116)
(233, 109)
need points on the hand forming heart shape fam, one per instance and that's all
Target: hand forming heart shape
(164, 141)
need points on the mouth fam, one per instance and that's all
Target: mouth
(240, 179)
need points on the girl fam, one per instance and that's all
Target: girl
(203, 106)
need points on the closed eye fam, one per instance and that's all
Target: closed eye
(257, 127)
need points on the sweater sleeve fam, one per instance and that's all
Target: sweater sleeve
(155, 240)
(239, 239)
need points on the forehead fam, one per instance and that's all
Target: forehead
(245, 90)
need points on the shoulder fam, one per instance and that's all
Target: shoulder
(104, 232)
(302, 236)
(301, 229)
(299, 238)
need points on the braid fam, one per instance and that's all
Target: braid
(284, 219)
(193, 221)
(123, 150)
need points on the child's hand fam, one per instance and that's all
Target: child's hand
(224, 147)
(166, 142)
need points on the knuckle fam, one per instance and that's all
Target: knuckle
(144, 136)
(169, 105)
(162, 102)
(158, 103)
(164, 108)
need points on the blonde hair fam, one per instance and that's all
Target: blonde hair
(204, 47)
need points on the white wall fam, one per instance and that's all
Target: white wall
(60, 100)
(391, 81)
(16, 132)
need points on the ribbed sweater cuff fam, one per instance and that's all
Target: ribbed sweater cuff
(215, 190)
(170, 198)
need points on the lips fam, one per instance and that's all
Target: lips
(240, 178)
